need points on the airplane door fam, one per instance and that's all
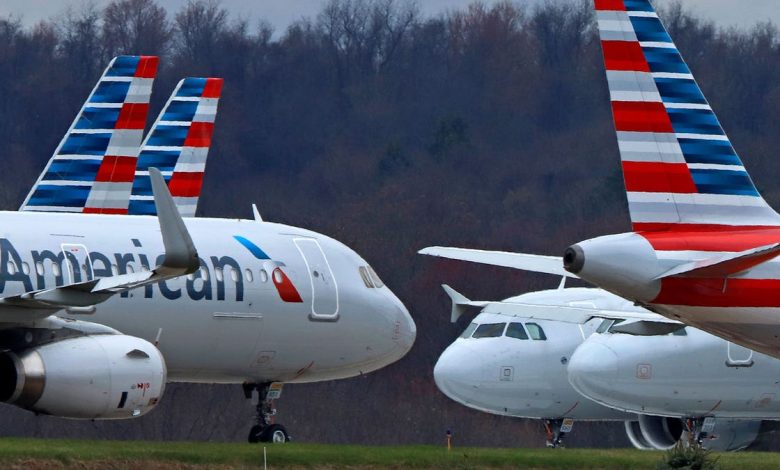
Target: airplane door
(324, 289)
(78, 263)
(738, 356)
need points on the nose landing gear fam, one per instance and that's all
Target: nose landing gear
(556, 430)
(265, 430)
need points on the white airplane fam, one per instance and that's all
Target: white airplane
(516, 359)
(98, 311)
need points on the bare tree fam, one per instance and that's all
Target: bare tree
(135, 27)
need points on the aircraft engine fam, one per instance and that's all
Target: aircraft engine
(88, 377)
(659, 433)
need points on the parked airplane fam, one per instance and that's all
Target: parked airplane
(704, 242)
(220, 308)
(512, 360)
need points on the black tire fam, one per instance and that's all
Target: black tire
(255, 434)
(275, 433)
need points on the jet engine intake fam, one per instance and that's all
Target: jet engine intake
(89, 377)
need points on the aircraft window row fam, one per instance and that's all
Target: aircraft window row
(370, 277)
(514, 330)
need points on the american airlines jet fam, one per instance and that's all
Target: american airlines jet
(99, 310)
(704, 242)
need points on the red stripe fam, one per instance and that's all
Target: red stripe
(285, 287)
(104, 210)
(731, 239)
(610, 5)
(116, 169)
(624, 55)
(213, 88)
(655, 177)
(147, 66)
(714, 293)
(185, 184)
(199, 134)
(132, 116)
(640, 116)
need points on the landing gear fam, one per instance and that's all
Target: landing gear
(699, 429)
(265, 430)
(556, 430)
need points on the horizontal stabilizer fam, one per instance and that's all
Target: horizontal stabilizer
(534, 263)
(460, 303)
(725, 265)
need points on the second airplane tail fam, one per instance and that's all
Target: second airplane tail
(679, 167)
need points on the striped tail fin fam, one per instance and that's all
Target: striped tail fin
(91, 170)
(679, 167)
(178, 145)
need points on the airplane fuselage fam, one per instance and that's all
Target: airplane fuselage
(271, 302)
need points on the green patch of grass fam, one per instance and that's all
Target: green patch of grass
(178, 454)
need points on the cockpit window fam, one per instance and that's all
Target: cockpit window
(365, 276)
(680, 332)
(516, 330)
(469, 329)
(605, 325)
(536, 331)
(375, 277)
(489, 330)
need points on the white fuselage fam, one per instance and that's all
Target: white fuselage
(525, 377)
(695, 375)
(229, 322)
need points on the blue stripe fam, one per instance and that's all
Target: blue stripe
(662, 59)
(124, 66)
(719, 152)
(169, 136)
(86, 144)
(638, 5)
(142, 208)
(142, 185)
(679, 90)
(62, 196)
(76, 170)
(180, 111)
(723, 182)
(97, 118)
(163, 160)
(256, 250)
(192, 87)
(110, 92)
(649, 29)
(694, 121)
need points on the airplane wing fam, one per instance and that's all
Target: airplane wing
(525, 262)
(725, 265)
(644, 321)
(180, 259)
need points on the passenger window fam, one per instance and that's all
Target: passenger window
(115, 270)
(375, 277)
(25, 268)
(248, 274)
(263, 275)
(516, 330)
(11, 268)
(233, 274)
(55, 268)
(218, 274)
(366, 278)
(204, 274)
(39, 268)
(536, 331)
(469, 329)
(489, 330)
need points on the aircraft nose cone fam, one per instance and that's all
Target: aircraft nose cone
(457, 372)
(593, 369)
(406, 330)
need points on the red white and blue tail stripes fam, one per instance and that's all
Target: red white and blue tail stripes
(178, 145)
(679, 166)
(92, 168)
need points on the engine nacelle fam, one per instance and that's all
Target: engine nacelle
(88, 377)
(659, 433)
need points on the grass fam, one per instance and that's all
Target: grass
(47, 453)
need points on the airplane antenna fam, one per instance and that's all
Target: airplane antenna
(256, 213)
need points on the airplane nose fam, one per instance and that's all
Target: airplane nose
(457, 372)
(406, 330)
(593, 369)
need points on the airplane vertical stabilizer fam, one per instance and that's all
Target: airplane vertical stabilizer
(178, 144)
(91, 170)
(679, 167)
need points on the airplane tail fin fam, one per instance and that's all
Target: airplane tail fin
(178, 144)
(91, 170)
(679, 167)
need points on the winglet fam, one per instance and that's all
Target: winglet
(180, 254)
(460, 303)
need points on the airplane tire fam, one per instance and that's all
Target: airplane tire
(255, 434)
(275, 433)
